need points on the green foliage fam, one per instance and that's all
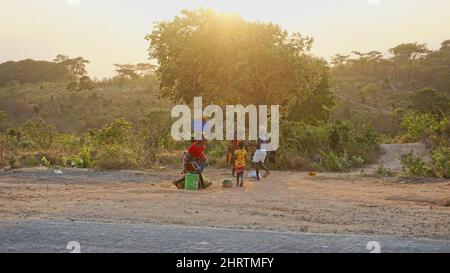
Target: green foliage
(300, 138)
(116, 157)
(133, 71)
(83, 159)
(33, 135)
(72, 86)
(77, 112)
(382, 171)
(245, 63)
(356, 137)
(76, 67)
(441, 162)
(113, 146)
(86, 84)
(31, 71)
(430, 101)
(419, 126)
(13, 162)
(338, 147)
(342, 162)
(45, 162)
(414, 166)
(2, 120)
(117, 132)
(156, 127)
(315, 107)
(410, 66)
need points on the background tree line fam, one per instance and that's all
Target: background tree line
(333, 114)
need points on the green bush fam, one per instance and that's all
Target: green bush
(34, 136)
(382, 171)
(86, 84)
(441, 162)
(13, 162)
(338, 163)
(45, 162)
(73, 86)
(419, 125)
(83, 159)
(115, 157)
(337, 147)
(414, 166)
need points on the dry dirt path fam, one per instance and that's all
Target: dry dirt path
(286, 201)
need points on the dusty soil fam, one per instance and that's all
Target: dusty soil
(391, 155)
(286, 201)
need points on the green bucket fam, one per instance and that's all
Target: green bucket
(227, 183)
(191, 181)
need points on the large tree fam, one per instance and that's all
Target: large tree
(75, 66)
(133, 71)
(228, 60)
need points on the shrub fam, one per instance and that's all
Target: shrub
(34, 136)
(414, 166)
(116, 146)
(115, 157)
(441, 162)
(83, 160)
(338, 163)
(419, 126)
(86, 84)
(73, 86)
(382, 171)
(13, 162)
(355, 137)
(337, 147)
(45, 162)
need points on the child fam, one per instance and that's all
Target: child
(195, 161)
(234, 145)
(258, 161)
(240, 157)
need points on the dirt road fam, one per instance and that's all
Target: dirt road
(286, 201)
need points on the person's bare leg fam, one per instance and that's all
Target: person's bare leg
(265, 169)
(257, 171)
(242, 178)
(202, 182)
(178, 182)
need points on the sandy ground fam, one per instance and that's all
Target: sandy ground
(391, 156)
(286, 201)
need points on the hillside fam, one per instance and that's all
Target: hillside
(77, 111)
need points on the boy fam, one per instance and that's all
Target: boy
(240, 157)
(258, 161)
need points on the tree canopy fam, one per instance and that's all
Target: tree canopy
(133, 71)
(75, 66)
(228, 60)
(409, 66)
(31, 71)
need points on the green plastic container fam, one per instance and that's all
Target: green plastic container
(227, 183)
(191, 181)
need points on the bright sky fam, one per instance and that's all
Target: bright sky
(112, 31)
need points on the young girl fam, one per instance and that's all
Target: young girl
(234, 145)
(240, 157)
